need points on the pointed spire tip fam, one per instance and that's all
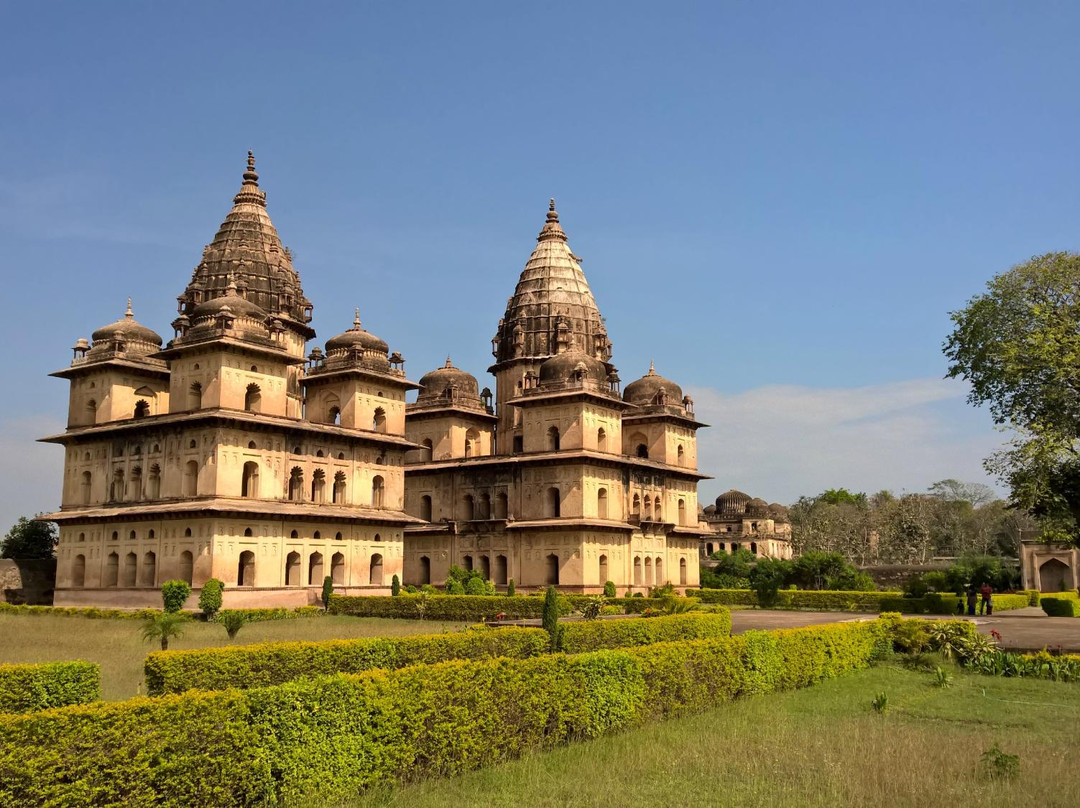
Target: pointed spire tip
(129, 312)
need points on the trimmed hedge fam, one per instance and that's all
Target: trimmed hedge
(938, 603)
(821, 600)
(94, 613)
(1056, 606)
(468, 608)
(325, 739)
(24, 688)
(250, 666)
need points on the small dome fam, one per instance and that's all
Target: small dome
(709, 510)
(573, 365)
(237, 305)
(652, 389)
(778, 513)
(757, 507)
(356, 337)
(732, 502)
(435, 383)
(128, 329)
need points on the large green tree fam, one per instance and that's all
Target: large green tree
(29, 538)
(1018, 345)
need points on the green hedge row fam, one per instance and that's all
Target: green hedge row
(249, 666)
(326, 739)
(821, 600)
(469, 608)
(24, 688)
(1056, 606)
(937, 603)
(92, 612)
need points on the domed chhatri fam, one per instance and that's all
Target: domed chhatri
(732, 502)
(741, 522)
(653, 390)
(127, 329)
(232, 302)
(356, 337)
(573, 366)
(446, 380)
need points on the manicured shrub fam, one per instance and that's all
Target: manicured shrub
(549, 620)
(475, 586)
(395, 586)
(163, 627)
(93, 613)
(443, 607)
(233, 621)
(1056, 606)
(210, 598)
(853, 601)
(609, 589)
(174, 594)
(24, 688)
(323, 740)
(511, 589)
(327, 591)
(605, 634)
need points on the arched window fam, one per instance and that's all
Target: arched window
(245, 569)
(426, 453)
(648, 572)
(339, 488)
(425, 570)
(468, 508)
(485, 567)
(467, 562)
(296, 484)
(149, 568)
(642, 451)
(112, 569)
(377, 537)
(682, 572)
(659, 567)
(115, 535)
(85, 487)
(682, 511)
(647, 515)
(78, 571)
(425, 508)
(601, 503)
(553, 503)
(195, 396)
(294, 535)
(82, 537)
(337, 568)
(377, 491)
(657, 513)
(187, 533)
(635, 508)
(681, 454)
(187, 566)
(135, 484)
(375, 576)
(131, 564)
(637, 571)
(753, 547)
(318, 486)
(333, 412)
(292, 569)
(131, 535)
(153, 482)
(553, 439)
(501, 505)
(601, 440)
(485, 507)
(116, 489)
(500, 570)
(191, 479)
(91, 411)
(253, 398)
(337, 536)
(603, 570)
(472, 443)
(378, 422)
(315, 569)
(249, 482)
(248, 532)
(142, 409)
(552, 563)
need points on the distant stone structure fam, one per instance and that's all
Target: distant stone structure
(1049, 566)
(738, 521)
(228, 453)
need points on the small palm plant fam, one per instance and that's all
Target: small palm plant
(164, 627)
(880, 702)
(942, 678)
(233, 621)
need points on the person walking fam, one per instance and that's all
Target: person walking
(972, 597)
(986, 605)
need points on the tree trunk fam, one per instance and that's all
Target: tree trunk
(164, 643)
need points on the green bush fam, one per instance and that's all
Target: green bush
(1056, 606)
(24, 688)
(323, 740)
(609, 589)
(248, 666)
(475, 586)
(603, 634)
(210, 598)
(174, 594)
(93, 613)
(466, 608)
(511, 589)
(1033, 596)
(395, 585)
(826, 601)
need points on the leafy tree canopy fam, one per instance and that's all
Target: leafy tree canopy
(29, 538)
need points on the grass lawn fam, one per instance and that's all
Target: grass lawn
(117, 645)
(822, 746)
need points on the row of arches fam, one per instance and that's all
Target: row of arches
(473, 507)
(650, 572)
(130, 571)
(735, 546)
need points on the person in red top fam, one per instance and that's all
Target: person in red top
(986, 604)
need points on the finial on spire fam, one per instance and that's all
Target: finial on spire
(356, 320)
(652, 368)
(231, 289)
(448, 363)
(553, 215)
(250, 176)
(129, 313)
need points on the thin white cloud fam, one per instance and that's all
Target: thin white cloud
(781, 442)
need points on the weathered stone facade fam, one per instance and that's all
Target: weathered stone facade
(565, 480)
(1049, 567)
(738, 521)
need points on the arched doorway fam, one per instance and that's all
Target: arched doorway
(1054, 576)
(375, 577)
(245, 569)
(552, 570)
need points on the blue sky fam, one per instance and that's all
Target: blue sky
(779, 203)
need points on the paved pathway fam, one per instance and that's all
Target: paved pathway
(1023, 629)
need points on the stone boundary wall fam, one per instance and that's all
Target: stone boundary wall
(27, 581)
